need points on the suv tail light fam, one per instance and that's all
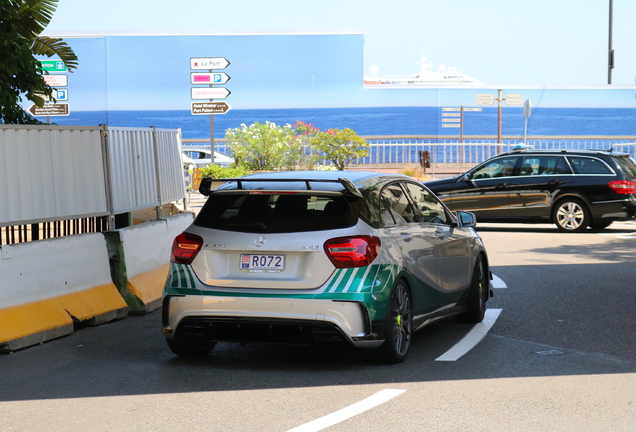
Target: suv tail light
(185, 248)
(623, 186)
(348, 252)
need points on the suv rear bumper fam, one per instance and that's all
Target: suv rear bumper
(269, 320)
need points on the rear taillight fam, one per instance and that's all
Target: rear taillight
(185, 248)
(623, 186)
(347, 252)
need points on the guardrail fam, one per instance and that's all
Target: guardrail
(391, 151)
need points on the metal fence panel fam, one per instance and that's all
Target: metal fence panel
(50, 173)
(133, 175)
(170, 175)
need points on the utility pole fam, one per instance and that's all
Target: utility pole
(499, 121)
(610, 58)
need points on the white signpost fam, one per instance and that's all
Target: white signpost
(208, 63)
(209, 93)
(454, 118)
(514, 99)
(485, 99)
(56, 80)
(209, 78)
(215, 78)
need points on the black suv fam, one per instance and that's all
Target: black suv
(572, 188)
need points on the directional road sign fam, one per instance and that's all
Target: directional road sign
(209, 78)
(451, 109)
(472, 109)
(58, 95)
(451, 125)
(56, 80)
(451, 120)
(50, 110)
(209, 93)
(208, 63)
(451, 114)
(53, 65)
(485, 99)
(204, 108)
(514, 99)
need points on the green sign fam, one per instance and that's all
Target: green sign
(53, 65)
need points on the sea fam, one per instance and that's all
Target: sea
(380, 121)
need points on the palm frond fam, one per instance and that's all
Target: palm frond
(35, 15)
(49, 47)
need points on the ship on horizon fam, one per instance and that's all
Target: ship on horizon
(427, 77)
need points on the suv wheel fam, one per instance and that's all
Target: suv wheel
(398, 329)
(600, 224)
(571, 215)
(190, 348)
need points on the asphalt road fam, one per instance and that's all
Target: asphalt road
(561, 356)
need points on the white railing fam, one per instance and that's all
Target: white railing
(405, 150)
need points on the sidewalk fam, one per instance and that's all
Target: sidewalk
(192, 202)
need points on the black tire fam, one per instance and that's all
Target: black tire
(190, 348)
(600, 224)
(571, 215)
(477, 295)
(398, 325)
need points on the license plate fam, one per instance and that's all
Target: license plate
(263, 263)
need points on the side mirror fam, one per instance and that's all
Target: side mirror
(466, 219)
(466, 178)
(205, 188)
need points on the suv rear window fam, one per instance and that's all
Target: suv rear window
(628, 165)
(583, 165)
(262, 212)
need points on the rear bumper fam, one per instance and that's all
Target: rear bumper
(269, 320)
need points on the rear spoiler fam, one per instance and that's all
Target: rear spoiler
(205, 188)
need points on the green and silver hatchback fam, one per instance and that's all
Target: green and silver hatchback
(320, 257)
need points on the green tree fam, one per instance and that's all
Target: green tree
(265, 146)
(340, 146)
(34, 16)
(21, 22)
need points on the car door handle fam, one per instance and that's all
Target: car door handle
(441, 232)
(501, 185)
(406, 237)
(554, 182)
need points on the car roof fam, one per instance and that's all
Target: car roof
(356, 177)
(567, 151)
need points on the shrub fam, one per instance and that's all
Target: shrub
(216, 171)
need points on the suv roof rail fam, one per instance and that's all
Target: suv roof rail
(205, 188)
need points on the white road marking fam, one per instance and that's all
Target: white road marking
(473, 337)
(348, 412)
(497, 282)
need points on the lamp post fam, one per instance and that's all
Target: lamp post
(610, 58)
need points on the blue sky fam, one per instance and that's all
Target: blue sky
(499, 42)
(553, 52)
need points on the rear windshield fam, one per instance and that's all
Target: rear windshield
(628, 165)
(258, 212)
